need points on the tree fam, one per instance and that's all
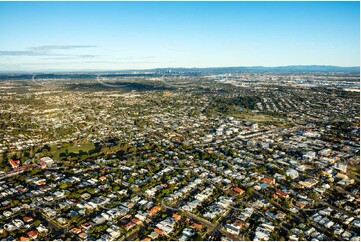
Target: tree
(313, 195)
(62, 154)
(131, 180)
(35, 171)
(275, 236)
(287, 204)
(46, 147)
(75, 195)
(288, 234)
(90, 190)
(14, 202)
(198, 237)
(249, 191)
(63, 186)
(37, 223)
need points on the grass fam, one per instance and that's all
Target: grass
(254, 117)
(257, 117)
(71, 149)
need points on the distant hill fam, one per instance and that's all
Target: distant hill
(296, 68)
(179, 70)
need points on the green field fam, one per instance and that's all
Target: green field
(71, 149)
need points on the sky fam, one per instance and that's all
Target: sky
(48, 36)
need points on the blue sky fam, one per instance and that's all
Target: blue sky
(132, 35)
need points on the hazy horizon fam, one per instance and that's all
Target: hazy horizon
(170, 68)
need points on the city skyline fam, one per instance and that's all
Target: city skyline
(144, 35)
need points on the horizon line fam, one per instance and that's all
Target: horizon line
(145, 69)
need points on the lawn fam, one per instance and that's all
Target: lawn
(71, 149)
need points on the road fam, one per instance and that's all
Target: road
(213, 228)
(168, 207)
(204, 222)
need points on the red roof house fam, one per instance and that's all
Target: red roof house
(33, 234)
(14, 164)
(282, 193)
(268, 181)
(238, 190)
(129, 225)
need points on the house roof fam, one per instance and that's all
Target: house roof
(83, 235)
(129, 225)
(27, 219)
(238, 190)
(274, 195)
(75, 230)
(299, 204)
(267, 180)
(153, 209)
(158, 231)
(196, 226)
(136, 220)
(176, 216)
(33, 233)
(153, 235)
(85, 225)
(14, 163)
(41, 182)
(282, 193)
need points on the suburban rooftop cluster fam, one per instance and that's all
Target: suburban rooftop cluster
(247, 156)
